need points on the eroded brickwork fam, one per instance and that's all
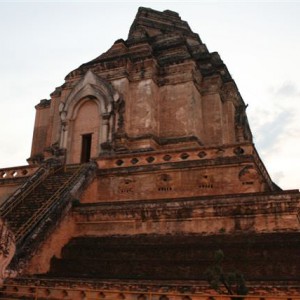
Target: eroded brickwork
(177, 174)
(156, 89)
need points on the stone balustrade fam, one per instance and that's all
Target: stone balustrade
(173, 156)
(17, 172)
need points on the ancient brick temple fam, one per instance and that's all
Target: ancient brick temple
(142, 166)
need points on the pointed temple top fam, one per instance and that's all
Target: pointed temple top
(162, 36)
(149, 23)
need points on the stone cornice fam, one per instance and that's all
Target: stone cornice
(44, 103)
(222, 205)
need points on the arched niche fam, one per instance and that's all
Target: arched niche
(85, 132)
(88, 118)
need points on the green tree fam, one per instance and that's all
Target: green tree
(231, 283)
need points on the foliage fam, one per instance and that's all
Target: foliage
(233, 282)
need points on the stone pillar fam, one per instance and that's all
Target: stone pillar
(68, 141)
(213, 119)
(64, 131)
(104, 131)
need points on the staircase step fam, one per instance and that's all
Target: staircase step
(179, 257)
(37, 199)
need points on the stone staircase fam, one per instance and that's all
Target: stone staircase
(39, 206)
(33, 203)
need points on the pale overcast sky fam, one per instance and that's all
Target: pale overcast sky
(259, 41)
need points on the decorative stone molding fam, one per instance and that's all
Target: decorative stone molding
(91, 85)
(143, 290)
(7, 249)
(196, 154)
(110, 107)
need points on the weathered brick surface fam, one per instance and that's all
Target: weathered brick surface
(178, 174)
(161, 84)
(179, 257)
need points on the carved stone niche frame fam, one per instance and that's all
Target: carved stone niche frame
(164, 182)
(205, 181)
(248, 175)
(127, 185)
(110, 106)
